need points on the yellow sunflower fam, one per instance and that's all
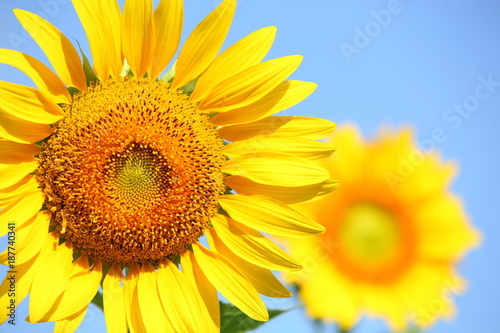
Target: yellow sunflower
(110, 173)
(394, 234)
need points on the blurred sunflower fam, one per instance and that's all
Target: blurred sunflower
(111, 174)
(394, 234)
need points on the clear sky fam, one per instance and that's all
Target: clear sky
(418, 66)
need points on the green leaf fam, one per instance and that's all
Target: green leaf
(235, 321)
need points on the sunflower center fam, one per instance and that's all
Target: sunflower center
(369, 234)
(374, 243)
(138, 175)
(133, 171)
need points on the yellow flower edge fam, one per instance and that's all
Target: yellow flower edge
(113, 173)
(394, 235)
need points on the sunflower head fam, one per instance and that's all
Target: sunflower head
(393, 237)
(119, 169)
(132, 172)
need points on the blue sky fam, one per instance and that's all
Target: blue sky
(433, 65)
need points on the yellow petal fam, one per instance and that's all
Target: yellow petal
(83, 286)
(11, 193)
(28, 104)
(168, 19)
(184, 307)
(22, 131)
(138, 35)
(305, 127)
(14, 152)
(101, 20)
(252, 246)
(276, 169)
(153, 316)
(205, 289)
(286, 195)
(230, 282)
(42, 76)
(11, 174)
(21, 210)
(245, 53)
(28, 242)
(453, 222)
(300, 147)
(203, 43)
(262, 279)
(51, 279)
(58, 49)
(249, 85)
(113, 301)
(269, 215)
(71, 323)
(132, 310)
(22, 276)
(284, 96)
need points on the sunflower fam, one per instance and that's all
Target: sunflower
(394, 234)
(116, 175)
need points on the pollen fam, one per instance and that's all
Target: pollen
(133, 172)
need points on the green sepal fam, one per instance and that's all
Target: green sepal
(169, 75)
(89, 72)
(73, 91)
(98, 301)
(188, 88)
(126, 71)
(235, 321)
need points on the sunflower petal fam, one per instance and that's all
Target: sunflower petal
(28, 104)
(21, 210)
(284, 96)
(71, 323)
(113, 301)
(180, 301)
(23, 276)
(51, 279)
(247, 52)
(82, 287)
(14, 152)
(101, 20)
(11, 174)
(252, 246)
(138, 35)
(230, 282)
(249, 85)
(132, 309)
(276, 169)
(286, 195)
(205, 289)
(59, 50)
(262, 279)
(12, 193)
(153, 316)
(289, 126)
(203, 43)
(30, 242)
(22, 131)
(168, 20)
(268, 215)
(41, 75)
